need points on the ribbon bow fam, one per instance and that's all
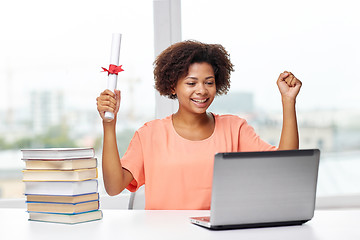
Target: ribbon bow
(113, 69)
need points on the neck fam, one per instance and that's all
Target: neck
(192, 126)
(191, 119)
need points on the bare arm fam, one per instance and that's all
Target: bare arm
(289, 87)
(116, 179)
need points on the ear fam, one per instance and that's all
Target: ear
(173, 93)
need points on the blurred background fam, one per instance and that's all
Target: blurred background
(51, 54)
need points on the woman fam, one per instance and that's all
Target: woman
(174, 156)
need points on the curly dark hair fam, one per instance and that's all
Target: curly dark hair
(174, 62)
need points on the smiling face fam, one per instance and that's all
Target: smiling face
(197, 89)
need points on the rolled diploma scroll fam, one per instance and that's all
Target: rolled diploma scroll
(114, 59)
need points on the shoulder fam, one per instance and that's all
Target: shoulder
(229, 119)
(156, 125)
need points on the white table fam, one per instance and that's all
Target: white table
(141, 224)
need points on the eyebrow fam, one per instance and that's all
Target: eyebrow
(195, 78)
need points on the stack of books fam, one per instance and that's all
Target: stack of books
(61, 185)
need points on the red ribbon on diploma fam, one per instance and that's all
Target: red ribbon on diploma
(113, 69)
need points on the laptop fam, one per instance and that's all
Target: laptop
(262, 189)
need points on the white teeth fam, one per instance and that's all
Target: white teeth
(199, 101)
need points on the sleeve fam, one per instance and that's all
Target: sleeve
(250, 141)
(133, 161)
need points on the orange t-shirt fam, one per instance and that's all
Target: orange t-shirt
(178, 172)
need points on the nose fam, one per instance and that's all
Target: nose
(201, 89)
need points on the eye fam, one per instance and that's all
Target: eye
(190, 83)
(210, 83)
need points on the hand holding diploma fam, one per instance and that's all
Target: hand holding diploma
(108, 101)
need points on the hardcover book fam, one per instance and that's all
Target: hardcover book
(57, 153)
(61, 188)
(62, 199)
(60, 175)
(61, 164)
(62, 207)
(66, 218)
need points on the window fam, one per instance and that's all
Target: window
(51, 54)
(50, 75)
(313, 39)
